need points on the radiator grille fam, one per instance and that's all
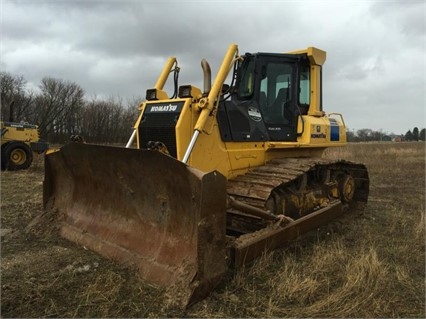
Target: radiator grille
(158, 124)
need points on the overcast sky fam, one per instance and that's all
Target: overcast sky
(375, 73)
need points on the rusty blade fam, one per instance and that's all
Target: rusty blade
(142, 208)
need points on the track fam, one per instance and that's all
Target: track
(309, 191)
(296, 187)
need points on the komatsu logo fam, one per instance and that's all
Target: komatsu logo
(164, 108)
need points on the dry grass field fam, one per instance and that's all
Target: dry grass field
(361, 265)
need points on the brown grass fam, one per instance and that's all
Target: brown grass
(361, 265)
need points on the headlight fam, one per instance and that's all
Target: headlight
(185, 91)
(151, 94)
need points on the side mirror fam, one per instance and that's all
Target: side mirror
(225, 88)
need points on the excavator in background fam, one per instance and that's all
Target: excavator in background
(18, 142)
(218, 175)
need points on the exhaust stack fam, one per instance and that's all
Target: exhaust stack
(207, 76)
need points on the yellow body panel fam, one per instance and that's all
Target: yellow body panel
(19, 132)
(235, 158)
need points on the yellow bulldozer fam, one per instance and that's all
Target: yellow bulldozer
(218, 175)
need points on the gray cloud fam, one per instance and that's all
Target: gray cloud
(374, 74)
(408, 17)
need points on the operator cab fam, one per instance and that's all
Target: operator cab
(271, 91)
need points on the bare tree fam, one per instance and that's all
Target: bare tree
(60, 110)
(59, 107)
(108, 121)
(365, 134)
(13, 92)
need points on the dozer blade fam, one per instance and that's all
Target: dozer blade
(142, 208)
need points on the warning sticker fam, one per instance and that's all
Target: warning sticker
(254, 114)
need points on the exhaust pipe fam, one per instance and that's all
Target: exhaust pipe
(207, 76)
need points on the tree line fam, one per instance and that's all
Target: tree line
(61, 110)
(415, 135)
(369, 135)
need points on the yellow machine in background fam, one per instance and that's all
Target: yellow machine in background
(18, 142)
(218, 175)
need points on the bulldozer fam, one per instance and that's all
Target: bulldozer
(210, 178)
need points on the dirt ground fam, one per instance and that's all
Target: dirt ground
(365, 265)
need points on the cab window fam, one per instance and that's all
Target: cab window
(246, 85)
(304, 95)
(275, 90)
